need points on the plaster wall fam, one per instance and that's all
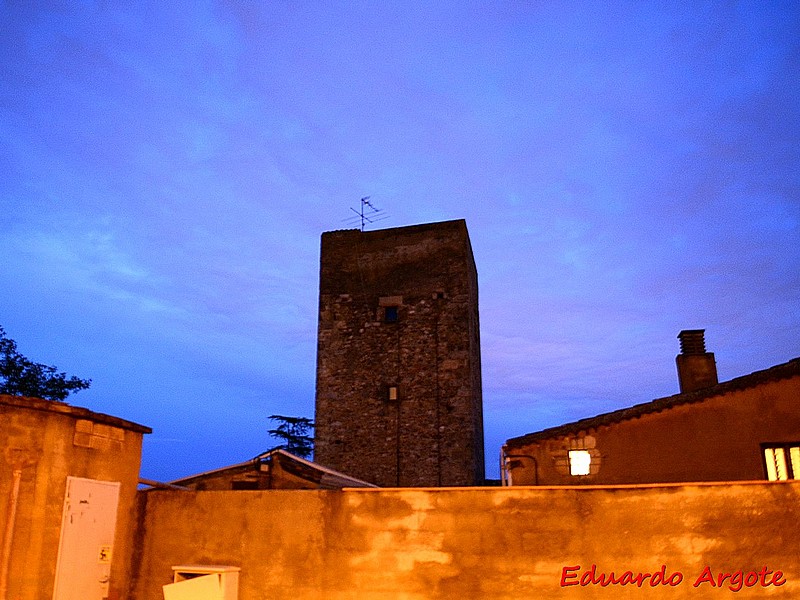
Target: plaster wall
(499, 543)
(52, 441)
(716, 439)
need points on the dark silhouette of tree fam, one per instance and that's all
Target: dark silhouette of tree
(22, 377)
(295, 433)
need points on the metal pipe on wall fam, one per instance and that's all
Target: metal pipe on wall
(8, 534)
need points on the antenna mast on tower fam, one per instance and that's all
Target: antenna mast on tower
(367, 214)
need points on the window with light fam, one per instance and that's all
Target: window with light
(782, 461)
(579, 462)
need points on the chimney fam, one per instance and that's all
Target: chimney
(697, 369)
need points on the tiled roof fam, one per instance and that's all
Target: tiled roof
(324, 475)
(778, 372)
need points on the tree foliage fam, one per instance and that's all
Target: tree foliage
(22, 377)
(295, 433)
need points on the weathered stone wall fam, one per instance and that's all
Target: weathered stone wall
(432, 433)
(51, 441)
(499, 543)
(716, 439)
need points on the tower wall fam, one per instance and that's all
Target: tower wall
(398, 359)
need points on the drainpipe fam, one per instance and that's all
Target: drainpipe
(504, 474)
(505, 468)
(17, 459)
(8, 535)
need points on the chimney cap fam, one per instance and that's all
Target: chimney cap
(692, 341)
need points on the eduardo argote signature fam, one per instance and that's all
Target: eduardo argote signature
(708, 578)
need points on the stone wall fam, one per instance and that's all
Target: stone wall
(398, 362)
(465, 543)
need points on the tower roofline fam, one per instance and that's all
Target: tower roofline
(451, 224)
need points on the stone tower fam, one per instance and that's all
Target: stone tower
(398, 356)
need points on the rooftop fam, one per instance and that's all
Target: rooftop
(778, 372)
(75, 412)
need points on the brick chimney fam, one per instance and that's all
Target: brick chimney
(697, 369)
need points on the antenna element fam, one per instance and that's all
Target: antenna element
(367, 214)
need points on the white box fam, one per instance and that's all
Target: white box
(203, 582)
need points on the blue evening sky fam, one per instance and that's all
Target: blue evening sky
(626, 170)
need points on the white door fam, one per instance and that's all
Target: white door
(87, 539)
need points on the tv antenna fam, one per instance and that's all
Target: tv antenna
(368, 214)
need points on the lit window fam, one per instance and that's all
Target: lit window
(782, 461)
(392, 393)
(579, 461)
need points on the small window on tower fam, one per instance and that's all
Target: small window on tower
(390, 314)
(392, 393)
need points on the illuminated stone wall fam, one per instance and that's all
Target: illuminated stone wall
(478, 543)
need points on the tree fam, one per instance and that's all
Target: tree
(295, 433)
(22, 377)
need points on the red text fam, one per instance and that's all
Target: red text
(739, 579)
(570, 576)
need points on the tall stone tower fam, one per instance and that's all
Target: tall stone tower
(398, 356)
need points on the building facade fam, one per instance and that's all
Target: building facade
(744, 429)
(68, 479)
(398, 399)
